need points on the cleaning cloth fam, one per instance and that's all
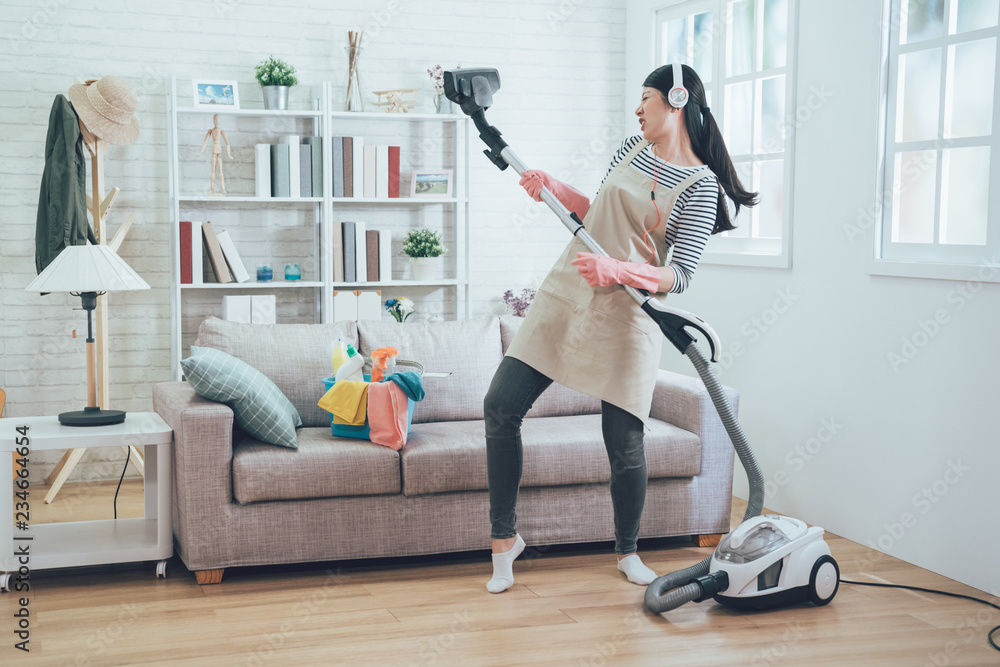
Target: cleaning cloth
(411, 384)
(348, 401)
(388, 411)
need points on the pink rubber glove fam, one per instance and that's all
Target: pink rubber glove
(532, 181)
(601, 271)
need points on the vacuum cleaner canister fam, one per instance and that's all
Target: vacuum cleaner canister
(773, 561)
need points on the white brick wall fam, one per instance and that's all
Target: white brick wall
(562, 66)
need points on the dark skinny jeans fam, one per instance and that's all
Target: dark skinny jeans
(514, 389)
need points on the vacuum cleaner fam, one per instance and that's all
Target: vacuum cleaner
(767, 561)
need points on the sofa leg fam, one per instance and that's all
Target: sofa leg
(208, 576)
(707, 540)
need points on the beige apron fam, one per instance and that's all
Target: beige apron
(597, 340)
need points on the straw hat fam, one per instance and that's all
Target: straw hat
(106, 108)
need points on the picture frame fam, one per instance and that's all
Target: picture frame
(216, 94)
(431, 183)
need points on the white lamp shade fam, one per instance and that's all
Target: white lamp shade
(87, 268)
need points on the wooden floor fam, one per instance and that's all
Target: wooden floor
(570, 606)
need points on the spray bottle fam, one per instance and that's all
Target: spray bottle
(338, 355)
(351, 370)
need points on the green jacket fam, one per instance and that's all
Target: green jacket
(62, 199)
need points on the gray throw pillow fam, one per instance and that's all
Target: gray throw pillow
(259, 407)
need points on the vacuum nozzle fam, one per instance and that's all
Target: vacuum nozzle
(471, 89)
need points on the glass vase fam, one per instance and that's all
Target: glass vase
(353, 99)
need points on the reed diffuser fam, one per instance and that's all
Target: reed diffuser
(354, 100)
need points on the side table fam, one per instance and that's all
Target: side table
(90, 542)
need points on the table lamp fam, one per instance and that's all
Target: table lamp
(88, 271)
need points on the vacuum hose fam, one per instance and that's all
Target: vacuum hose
(672, 590)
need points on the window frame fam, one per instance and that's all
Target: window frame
(641, 58)
(936, 260)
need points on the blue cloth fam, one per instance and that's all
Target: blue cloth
(411, 384)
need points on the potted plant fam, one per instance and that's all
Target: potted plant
(424, 248)
(275, 77)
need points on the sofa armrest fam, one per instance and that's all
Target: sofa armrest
(684, 401)
(203, 455)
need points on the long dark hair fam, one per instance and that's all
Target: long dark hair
(706, 141)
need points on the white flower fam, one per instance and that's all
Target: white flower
(405, 305)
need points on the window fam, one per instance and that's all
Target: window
(937, 142)
(741, 50)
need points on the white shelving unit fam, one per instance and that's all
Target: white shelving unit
(445, 140)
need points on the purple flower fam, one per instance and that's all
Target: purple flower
(519, 304)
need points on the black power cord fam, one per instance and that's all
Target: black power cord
(989, 635)
(124, 468)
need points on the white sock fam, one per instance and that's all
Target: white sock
(636, 572)
(503, 568)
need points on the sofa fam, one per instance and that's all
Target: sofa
(240, 502)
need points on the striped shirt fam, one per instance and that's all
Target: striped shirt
(693, 216)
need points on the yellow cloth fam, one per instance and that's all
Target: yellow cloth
(348, 401)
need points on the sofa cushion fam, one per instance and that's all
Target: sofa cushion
(323, 467)
(469, 349)
(556, 400)
(294, 356)
(259, 407)
(451, 456)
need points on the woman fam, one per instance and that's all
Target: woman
(582, 321)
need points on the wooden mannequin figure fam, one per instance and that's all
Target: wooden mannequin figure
(215, 133)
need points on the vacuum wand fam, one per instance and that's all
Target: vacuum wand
(570, 219)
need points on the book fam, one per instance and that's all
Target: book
(382, 172)
(349, 253)
(338, 252)
(370, 305)
(368, 185)
(394, 171)
(345, 306)
(262, 170)
(384, 255)
(280, 184)
(348, 166)
(294, 166)
(360, 253)
(215, 255)
(305, 170)
(262, 309)
(197, 254)
(316, 144)
(236, 308)
(236, 265)
(371, 253)
(338, 166)
(185, 254)
(359, 166)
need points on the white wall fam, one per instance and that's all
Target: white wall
(561, 63)
(847, 441)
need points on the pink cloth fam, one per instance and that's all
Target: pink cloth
(602, 271)
(388, 414)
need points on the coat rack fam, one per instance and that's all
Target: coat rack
(98, 204)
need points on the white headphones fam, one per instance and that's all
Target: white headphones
(678, 95)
